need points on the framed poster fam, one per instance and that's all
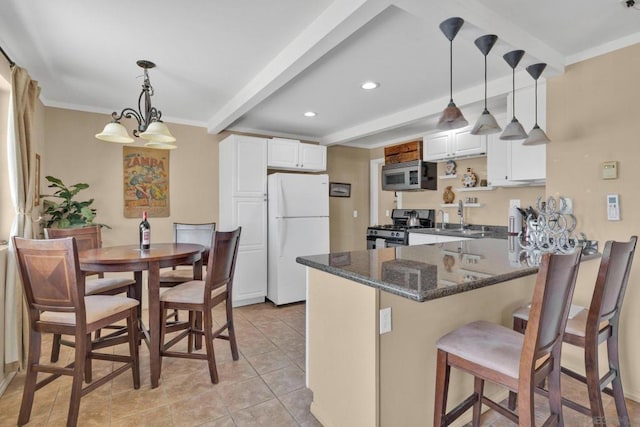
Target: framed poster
(146, 182)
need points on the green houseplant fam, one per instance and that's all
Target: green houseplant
(67, 213)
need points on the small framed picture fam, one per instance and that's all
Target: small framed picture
(339, 189)
(36, 195)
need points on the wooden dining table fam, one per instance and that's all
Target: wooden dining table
(132, 258)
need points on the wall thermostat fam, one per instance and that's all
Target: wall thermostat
(610, 170)
(613, 207)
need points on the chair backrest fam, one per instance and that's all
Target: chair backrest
(86, 237)
(611, 282)
(549, 312)
(200, 234)
(51, 275)
(222, 261)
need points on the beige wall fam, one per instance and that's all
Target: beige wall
(350, 165)
(592, 114)
(73, 154)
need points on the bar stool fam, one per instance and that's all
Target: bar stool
(590, 329)
(492, 352)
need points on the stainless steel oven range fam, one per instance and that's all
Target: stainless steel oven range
(397, 234)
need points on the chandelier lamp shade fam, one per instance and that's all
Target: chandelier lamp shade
(537, 135)
(514, 129)
(150, 126)
(486, 123)
(451, 117)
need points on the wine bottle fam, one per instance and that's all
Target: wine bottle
(145, 232)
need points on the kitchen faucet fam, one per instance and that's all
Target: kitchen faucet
(440, 211)
(461, 214)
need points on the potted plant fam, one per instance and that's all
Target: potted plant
(68, 212)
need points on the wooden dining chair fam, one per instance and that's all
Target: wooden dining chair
(201, 296)
(54, 288)
(589, 329)
(200, 234)
(90, 237)
(495, 353)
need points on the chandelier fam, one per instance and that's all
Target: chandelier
(150, 125)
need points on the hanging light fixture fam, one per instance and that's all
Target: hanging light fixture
(514, 129)
(486, 123)
(537, 135)
(451, 117)
(150, 125)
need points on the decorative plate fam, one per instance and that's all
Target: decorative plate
(450, 167)
(469, 179)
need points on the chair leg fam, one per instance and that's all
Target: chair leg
(163, 333)
(231, 330)
(208, 342)
(555, 396)
(55, 349)
(132, 330)
(526, 406)
(618, 393)
(82, 350)
(513, 399)
(443, 371)
(193, 326)
(88, 377)
(592, 375)
(35, 340)
(198, 325)
(478, 388)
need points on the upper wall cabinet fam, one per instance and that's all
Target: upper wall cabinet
(289, 154)
(455, 144)
(510, 162)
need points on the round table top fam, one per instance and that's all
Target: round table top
(133, 253)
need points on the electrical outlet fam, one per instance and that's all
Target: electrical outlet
(445, 217)
(385, 320)
(514, 203)
(355, 214)
(387, 213)
(568, 206)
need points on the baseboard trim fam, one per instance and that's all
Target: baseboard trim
(6, 381)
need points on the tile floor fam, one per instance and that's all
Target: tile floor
(264, 388)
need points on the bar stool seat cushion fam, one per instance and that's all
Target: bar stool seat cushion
(190, 293)
(577, 325)
(486, 344)
(106, 284)
(97, 307)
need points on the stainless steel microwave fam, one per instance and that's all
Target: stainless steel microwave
(410, 176)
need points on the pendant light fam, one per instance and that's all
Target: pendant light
(537, 135)
(514, 129)
(451, 117)
(486, 123)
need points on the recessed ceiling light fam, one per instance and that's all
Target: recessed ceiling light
(310, 114)
(369, 85)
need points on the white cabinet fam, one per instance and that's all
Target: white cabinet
(458, 143)
(425, 239)
(243, 202)
(510, 163)
(289, 154)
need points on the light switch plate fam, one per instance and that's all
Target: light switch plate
(610, 170)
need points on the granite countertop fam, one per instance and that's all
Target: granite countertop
(427, 272)
(470, 231)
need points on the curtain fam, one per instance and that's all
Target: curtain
(21, 159)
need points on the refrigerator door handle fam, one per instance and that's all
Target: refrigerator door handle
(281, 233)
(281, 200)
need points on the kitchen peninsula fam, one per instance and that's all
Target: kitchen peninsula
(360, 377)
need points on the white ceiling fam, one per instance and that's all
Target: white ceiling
(255, 65)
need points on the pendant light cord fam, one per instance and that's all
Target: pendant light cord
(536, 115)
(513, 97)
(450, 71)
(485, 83)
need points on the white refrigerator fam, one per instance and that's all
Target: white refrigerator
(298, 226)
